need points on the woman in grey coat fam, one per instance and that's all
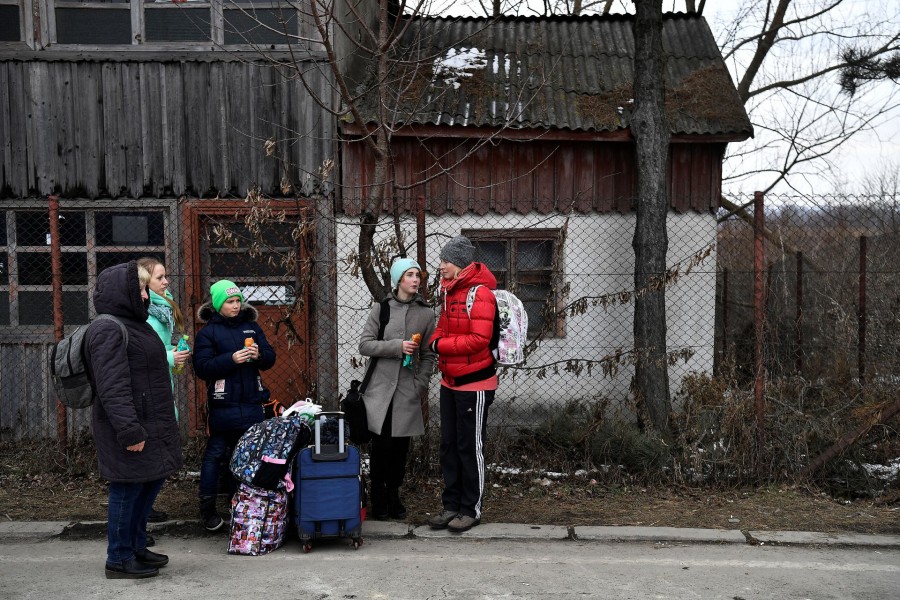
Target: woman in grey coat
(399, 381)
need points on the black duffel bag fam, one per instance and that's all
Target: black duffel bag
(354, 408)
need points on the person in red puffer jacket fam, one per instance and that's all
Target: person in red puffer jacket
(469, 380)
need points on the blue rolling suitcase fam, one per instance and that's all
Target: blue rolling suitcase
(328, 497)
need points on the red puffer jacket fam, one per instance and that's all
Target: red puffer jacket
(461, 339)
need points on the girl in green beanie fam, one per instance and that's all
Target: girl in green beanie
(229, 353)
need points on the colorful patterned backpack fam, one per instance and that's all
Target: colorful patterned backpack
(258, 521)
(262, 457)
(510, 326)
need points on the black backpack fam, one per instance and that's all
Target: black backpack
(68, 371)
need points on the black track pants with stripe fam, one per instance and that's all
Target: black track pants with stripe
(463, 427)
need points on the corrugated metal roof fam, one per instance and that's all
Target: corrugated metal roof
(571, 73)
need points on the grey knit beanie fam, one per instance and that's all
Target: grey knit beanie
(459, 251)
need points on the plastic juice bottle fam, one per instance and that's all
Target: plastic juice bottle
(247, 343)
(408, 359)
(182, 345)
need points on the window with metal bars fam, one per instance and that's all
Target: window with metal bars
(526, 263)
(90, 241)
(218, 22)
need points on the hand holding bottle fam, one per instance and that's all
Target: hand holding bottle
(181, 353)
(409, 348)
(252, 348)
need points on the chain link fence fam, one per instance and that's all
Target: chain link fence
(831, 303)
(830, 287)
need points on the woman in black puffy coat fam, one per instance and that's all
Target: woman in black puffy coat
(133, 418)
(235, 394)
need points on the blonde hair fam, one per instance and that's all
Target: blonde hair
(143, 276)
(149, 263)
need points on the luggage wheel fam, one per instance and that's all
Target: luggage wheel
(307, 548)
(357, 543)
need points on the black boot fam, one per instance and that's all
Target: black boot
(130, 569)
(379, 501)
(396, 510)
(157, 516)
(208, 514)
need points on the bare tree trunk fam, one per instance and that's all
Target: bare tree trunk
(368, 220)
(650, 243)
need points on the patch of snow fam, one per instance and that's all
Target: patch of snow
(457, 63)
(888, 472)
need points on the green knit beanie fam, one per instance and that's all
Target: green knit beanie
(222, 291)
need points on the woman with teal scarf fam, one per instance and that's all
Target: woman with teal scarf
(165, 318)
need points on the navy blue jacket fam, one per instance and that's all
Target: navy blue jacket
(134, 393)
(234, 392)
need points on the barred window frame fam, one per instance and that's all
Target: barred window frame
(95, 255)
(515, 277)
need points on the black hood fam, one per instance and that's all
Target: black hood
(118, 292)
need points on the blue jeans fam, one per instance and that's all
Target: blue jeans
(126, 529)
(219, 448)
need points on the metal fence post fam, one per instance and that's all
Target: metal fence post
(725, 313)
(861, 314)
(758, 311)
(798, 317)
(62, 429)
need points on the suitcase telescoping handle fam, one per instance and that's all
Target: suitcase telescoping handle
(330, 451)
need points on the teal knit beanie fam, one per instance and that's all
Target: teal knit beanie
(401, 266)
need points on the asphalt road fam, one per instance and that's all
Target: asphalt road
(459, 568)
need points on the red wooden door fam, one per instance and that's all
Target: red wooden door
(268, 267)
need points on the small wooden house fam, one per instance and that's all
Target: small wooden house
(515, 131)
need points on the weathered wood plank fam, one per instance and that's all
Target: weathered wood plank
(88, 126)
(65, 123)
(175, 127)
(481, 179)
(40, 133)
(133, 135)
(679, 180)
(18, 129)
(217, 147)
(196, 93)
(604, 178)
(150, 82)
(112, 176)
(238, 113)
(437, 186)
(458, 185)
(503, 187)
(583, 177)
(6, 148)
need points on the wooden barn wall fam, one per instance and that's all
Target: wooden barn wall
(460, 176)
(155, 129)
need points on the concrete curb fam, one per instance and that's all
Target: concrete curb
(36, 531)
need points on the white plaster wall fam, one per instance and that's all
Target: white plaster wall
(598, 260)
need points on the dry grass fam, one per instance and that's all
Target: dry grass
(33, 486)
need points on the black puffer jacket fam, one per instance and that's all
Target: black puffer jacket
(234, 392)
(134, 394)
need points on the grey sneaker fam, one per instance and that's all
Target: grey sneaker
(462, 523)
(440, 521)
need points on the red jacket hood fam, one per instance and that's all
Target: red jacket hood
(475, 274)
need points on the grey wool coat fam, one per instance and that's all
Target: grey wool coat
(391, 381)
